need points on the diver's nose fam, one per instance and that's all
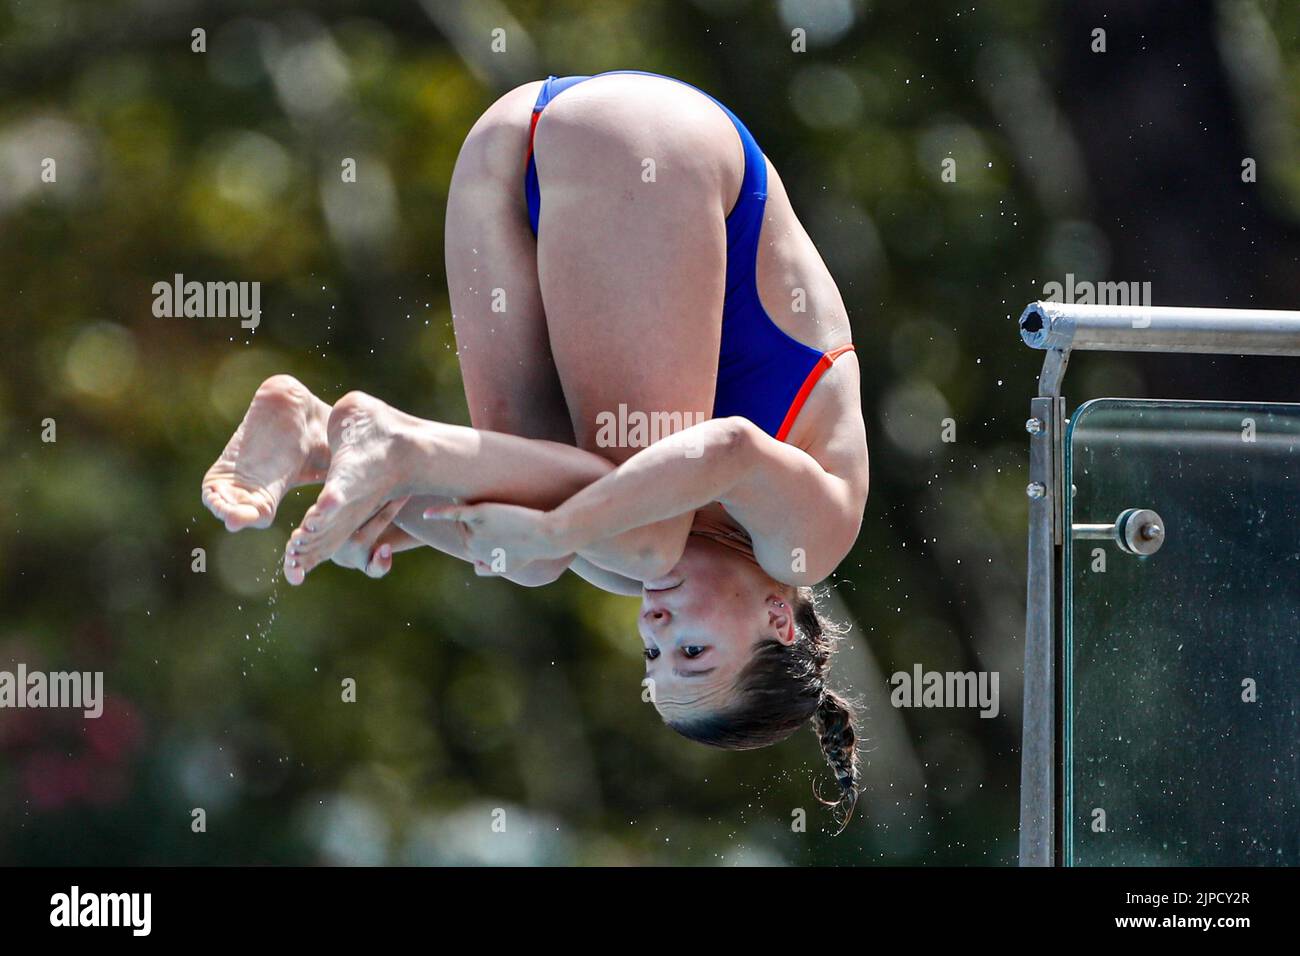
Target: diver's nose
(657, 615)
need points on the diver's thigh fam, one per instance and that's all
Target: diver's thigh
(511, 384)
(632, 256)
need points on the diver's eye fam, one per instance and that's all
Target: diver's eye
(651, 653)
(693, 650)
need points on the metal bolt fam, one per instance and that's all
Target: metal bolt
(1140, 531)
(1036, 489)
(1034, 426)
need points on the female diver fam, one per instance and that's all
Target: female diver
(652, 264)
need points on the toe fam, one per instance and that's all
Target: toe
(236, 507)
(240, 514)
(260, 514)
(298, 545)
(381, 562)
(295, 567)
(214, 501)
(304, 540)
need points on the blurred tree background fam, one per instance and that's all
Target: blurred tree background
(223, 688)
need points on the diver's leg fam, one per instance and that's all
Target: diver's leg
(509, 376)
(496, 304)
(633, 310)
(379, 453)
(636, 177)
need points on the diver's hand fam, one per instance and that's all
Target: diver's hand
(503, 537)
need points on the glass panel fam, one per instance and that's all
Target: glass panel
(1182, 704)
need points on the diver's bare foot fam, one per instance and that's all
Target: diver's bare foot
(370, 449)
(280, 444)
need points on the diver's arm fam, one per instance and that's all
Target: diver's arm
(371, 547)
(454, 462)
(664, 483)
(605, 580)
(445, 538)
(678, 475)
(476, 465)
(801, 519)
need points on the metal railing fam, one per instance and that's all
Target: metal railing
(1058, 329)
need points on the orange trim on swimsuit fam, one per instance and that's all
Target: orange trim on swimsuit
(532, 131)
(809, 383)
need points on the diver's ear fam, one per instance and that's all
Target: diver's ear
(780, 615)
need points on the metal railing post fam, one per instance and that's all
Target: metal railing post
(1038, 797)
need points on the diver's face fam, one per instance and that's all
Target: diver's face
(700, 622)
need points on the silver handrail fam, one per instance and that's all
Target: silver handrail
(1140, 328)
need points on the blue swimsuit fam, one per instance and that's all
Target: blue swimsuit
(764, 375)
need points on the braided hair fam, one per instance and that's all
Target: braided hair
(833, 722)
(782, 688)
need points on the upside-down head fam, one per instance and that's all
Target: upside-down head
(739, 660)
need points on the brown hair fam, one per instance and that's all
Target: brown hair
(782, 688)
